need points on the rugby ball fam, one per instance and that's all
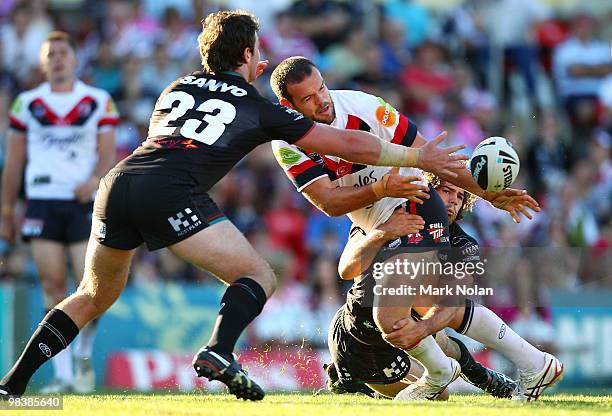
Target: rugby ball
(494, 164)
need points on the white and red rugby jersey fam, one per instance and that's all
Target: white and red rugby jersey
(61, 132)
(358, 111)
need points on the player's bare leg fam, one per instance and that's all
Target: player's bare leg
(105, 276)
(84, 377)
(50, 259)
(224, 251)
(106, 272)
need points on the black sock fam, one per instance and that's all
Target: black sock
(467, 317)
(475, 372)
(53, 334)
(241, 303)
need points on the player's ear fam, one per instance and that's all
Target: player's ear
(247, 54)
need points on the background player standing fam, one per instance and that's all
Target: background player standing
(62, 131)
(202, 125)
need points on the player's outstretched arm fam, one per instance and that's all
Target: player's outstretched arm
(514, 201)
(360, 251)
(366, 148)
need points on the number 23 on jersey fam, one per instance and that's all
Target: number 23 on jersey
(180, 102)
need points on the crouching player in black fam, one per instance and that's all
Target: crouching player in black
(361, 355)
(363, 360)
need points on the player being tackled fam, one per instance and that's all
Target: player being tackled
(369, 195)
(537, 370)
(352, 321)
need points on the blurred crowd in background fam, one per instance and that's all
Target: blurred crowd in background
(535, 74)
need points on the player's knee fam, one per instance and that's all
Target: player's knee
(266, 278)
(385, 319)
(94, 302)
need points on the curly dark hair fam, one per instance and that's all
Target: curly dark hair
(469, 199)
(224, 37)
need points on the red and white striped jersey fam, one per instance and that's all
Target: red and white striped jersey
(61, 130)
(358, 111)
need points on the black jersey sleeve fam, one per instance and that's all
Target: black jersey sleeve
(282, 123)
(464, 247)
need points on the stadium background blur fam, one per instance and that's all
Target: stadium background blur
(475, 68)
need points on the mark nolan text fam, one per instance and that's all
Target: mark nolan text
(431, 290)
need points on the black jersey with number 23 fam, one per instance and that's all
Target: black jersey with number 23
(204, 124)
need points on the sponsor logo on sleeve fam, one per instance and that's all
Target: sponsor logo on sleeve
(296, 115)
(110, 106)
(17, 104)
(287, 156)
(385, 113)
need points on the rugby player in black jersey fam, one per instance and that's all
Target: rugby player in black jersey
(202, 125)
(355, 343)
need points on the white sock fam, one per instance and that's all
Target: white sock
(488, 328)
(436, 363)
(83, 344)
(62, 365)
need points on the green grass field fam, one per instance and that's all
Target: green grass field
(324, 405)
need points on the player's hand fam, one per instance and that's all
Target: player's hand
(407, 332)
(261, 67)
(441, 161)
(401, 224)
(84, 192)
(395, 185)
(7, 228)
(515, 201)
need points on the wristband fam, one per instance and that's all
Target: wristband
(396, 155)
(380, 188)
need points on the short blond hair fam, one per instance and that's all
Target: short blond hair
(60, 36)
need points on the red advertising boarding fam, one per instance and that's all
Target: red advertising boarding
(145, 370)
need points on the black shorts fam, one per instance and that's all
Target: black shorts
(66, 222)
(158, 210)
(434, 236)
(358, 362)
